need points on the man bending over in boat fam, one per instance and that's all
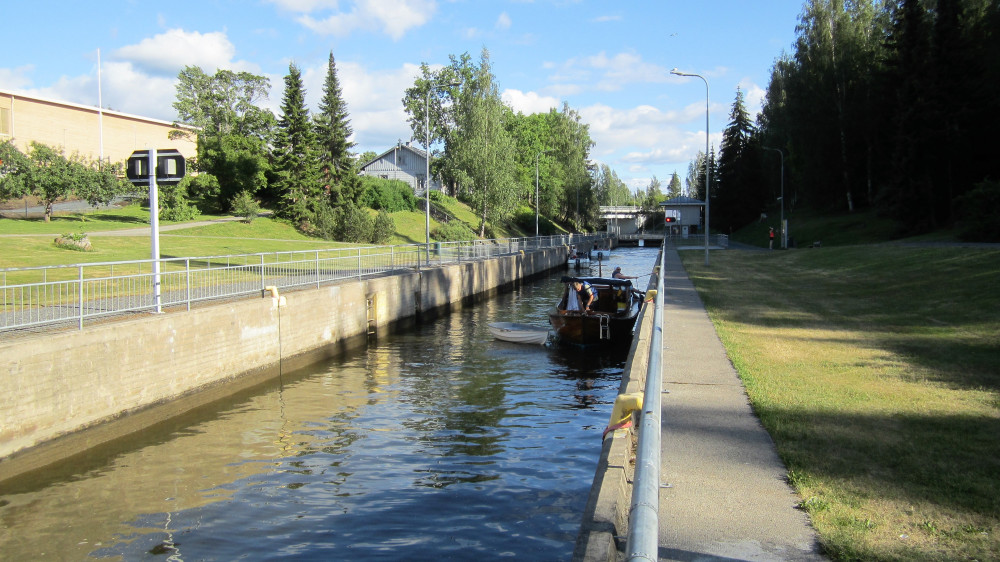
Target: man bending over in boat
(587, 293)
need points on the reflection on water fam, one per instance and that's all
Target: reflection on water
(437, 443)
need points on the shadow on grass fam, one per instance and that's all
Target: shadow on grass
(951, 461)
(107, 217)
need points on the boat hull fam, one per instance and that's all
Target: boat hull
(586, 329)
(519, 333)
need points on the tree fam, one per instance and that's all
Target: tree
(52, 176)
(296, 166)
(654, 195)
(14, 170)
(674, 187)
(235, 130)
(333, 129)
(739, 199)
(483, 149)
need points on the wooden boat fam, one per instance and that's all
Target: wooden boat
(519, 333)
(610, 320)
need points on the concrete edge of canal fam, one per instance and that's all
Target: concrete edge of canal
(65, 392)
(605, 519)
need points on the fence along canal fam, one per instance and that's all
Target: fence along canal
(434, 443)
(38, 297)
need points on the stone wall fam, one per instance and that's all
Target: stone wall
(55, 384)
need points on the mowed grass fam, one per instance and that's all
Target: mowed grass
(876, 369)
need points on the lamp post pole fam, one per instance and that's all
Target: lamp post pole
(707, 198)
(784, 235)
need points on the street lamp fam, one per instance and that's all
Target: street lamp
(784, 234)
(536, 189)
(427, 163)
(707, 231)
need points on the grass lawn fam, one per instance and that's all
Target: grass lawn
(876, 369)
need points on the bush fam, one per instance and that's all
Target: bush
(978, 213)
(388, 195)
(454, 231)
(173, 202)
(384, 228)
(324, 222)
(356, 225)
(204, 190)
(244, 205)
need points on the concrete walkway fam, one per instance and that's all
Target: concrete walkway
(727, 497)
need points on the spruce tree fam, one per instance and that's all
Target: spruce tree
(333, 128)
(296, 166)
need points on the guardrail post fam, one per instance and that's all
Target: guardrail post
(262, 281)
(317, 269)
(80, 297)
(359, 263)
(187, 277)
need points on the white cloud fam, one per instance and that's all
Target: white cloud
(529, 102)
(503, 22)
(753, 96)
(16, 78)
(169, 52)
(392, 17)
(305, 6)
(609, 73)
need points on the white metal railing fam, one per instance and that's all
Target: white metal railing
(72, 294)
(643, 521)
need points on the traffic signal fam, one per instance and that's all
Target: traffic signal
(670, 219)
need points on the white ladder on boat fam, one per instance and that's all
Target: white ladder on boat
(605, 327)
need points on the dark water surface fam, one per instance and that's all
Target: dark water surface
(439, 443)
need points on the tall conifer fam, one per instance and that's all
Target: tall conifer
(296, 167)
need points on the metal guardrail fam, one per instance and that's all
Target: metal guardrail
(34, 297)
(643, 521)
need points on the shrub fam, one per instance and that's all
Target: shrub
(324, 222)
(384, 228)
(454, 231)
(388, 195)
(979, 213)
(356, 225)
(173, 202)
(244, 205)
(204, 190)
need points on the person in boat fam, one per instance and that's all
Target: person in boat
(619, 275)
(587, 294)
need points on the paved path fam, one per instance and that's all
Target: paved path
(728, 498)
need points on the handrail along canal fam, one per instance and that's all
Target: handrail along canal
(643, 521)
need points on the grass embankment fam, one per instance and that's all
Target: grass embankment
(25, 246)
(876, 369)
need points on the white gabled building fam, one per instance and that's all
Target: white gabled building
(401, 162)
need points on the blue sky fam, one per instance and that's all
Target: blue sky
(609, 60)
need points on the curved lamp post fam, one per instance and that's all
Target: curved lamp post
(784, 235)
(427, 164)
(707, 231)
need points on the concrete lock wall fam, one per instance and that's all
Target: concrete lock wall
(53, 385)
(604, 525)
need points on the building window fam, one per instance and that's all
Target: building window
(4, 121)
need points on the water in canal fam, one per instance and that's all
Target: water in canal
(438, 443)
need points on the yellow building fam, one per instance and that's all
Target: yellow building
(85, 130)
